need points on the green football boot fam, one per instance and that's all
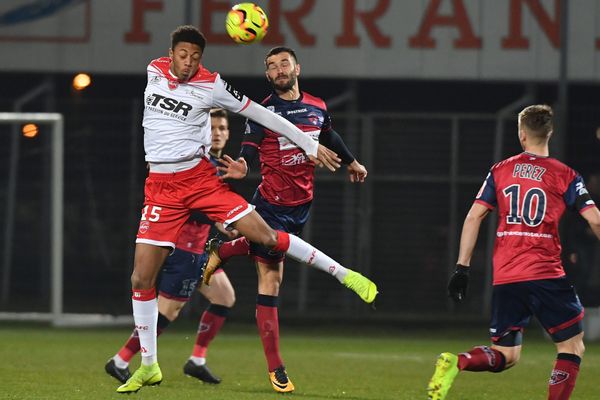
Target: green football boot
(146, 375)
(446, 369)
(361, 285)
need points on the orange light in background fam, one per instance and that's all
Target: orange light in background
(81, 81)
(30, 130)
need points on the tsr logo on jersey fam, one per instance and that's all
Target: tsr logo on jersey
(169, 104)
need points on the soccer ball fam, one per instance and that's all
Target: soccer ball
(246, 23)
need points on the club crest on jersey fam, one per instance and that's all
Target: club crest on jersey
(173, 85)
(155, 80)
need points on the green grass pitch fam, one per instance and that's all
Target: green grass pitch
(38, 362)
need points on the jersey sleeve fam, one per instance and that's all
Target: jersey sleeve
(327, 125)
(487, 194)
(225, 96)
(577, 196)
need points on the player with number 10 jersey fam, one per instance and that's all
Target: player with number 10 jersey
(531, 193)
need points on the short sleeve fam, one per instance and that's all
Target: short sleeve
(577, 196)
(487, 194)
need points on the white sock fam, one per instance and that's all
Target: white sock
(302, 251)
(145, 315)
(119, 362)
(198, 360)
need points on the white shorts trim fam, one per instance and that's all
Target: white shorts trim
(155, 242)
(247, 211)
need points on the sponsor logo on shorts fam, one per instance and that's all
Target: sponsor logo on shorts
(144, 227)
(558, 377)
(230, 213)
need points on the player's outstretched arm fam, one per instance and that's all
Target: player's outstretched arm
(592, 216)
(316, 152)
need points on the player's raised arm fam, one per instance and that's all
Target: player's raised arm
(317, 152)
(332, 140)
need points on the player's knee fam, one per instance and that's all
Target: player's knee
(141, 281)
(512, 359)
(229, 299)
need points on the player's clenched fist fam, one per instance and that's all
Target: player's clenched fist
(459, 282)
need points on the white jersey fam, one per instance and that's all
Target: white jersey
(177, 114)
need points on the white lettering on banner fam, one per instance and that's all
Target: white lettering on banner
(453, 39)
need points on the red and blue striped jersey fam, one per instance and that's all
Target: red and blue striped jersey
(287, 173)
(531, 193)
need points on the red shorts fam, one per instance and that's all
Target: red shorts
(170, 197)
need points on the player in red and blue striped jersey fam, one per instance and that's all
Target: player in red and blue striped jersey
(531, 192)
(284, 196)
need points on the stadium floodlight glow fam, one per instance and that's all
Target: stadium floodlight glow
(81, 81)
(30, 130)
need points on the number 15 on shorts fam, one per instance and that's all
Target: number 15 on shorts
(154, 213)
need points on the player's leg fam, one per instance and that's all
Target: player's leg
(561, 314)
(270, 276)
(510, 314)
(118, 365)
(566, 368)
(221, 296)
(147, 262)
(223, 205)
(256, 230)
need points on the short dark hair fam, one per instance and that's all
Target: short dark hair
(281, 49)
(188, 34)
(218, 113)
(537, 119)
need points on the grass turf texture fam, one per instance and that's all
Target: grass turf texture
(44, 363)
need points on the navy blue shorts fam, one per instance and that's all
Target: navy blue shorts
(281, 218)
(553, 302)
(180, 274)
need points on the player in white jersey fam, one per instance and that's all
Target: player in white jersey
(177, 136)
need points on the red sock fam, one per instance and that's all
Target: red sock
(132, 346)
(283, 242)
(481, 358)
(564, 375)
(268, 328)
(237, 247)
(210, 324)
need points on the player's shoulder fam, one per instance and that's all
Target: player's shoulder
(309, 99)
(203, 75)
(507, 162)
(160, 65)
(268, 100)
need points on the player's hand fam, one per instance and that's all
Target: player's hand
(357, 172)
(234, 169)
(459, 282)
(326, 158)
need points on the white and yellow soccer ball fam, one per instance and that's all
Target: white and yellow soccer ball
(246, 23)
